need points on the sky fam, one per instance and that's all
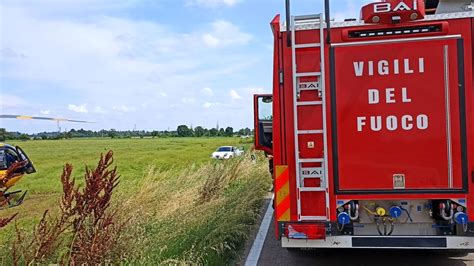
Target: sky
(144, 64)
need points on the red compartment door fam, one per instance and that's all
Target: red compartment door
(398, 116)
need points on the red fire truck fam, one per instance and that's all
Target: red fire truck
(371, 127)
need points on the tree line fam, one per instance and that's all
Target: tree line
(181, 131)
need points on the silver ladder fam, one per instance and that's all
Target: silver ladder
(319, 87)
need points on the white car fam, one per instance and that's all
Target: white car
(226, 152)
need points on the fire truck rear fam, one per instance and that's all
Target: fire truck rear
(371, 127)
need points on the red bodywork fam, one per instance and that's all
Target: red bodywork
(427, 124)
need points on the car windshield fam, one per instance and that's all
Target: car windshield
(223, 149)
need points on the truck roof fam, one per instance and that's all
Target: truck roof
(342, 24)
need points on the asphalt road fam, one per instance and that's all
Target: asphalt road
(273, 254)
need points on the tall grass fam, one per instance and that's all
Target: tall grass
(201, 213)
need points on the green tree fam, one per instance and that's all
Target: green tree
(248, 131)
(213, 132)
(199, 131)
(112, 133)
(183, 131)
(229, 132)
(68, 135)
(221, 132)
(3, 134)
(154, 134)
(24, 137)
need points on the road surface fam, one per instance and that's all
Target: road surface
(273, 254)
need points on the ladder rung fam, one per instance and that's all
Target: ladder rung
(308, 89)
(307, 17)
(310, 131)
(324, 218)
(318, 160)
(312, 189)
(307, 45)
(309, 103)
(308, 74)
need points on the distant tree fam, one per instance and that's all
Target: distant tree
(44, 137)
(213, 132)
(112, 133)
(221, 132)
(24, 137)
(68, 135)
(248, 131)
(155, 134)
(3, 134)
(199, 131)
(183, 131)
(229, 132)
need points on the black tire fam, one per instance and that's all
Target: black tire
(458, 253)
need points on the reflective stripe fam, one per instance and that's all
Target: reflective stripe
(282, 193)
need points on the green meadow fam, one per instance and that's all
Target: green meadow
(183, 206)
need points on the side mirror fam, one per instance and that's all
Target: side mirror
(263, 122)
(29, 168)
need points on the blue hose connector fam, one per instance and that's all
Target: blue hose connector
(343, 218)
(395, 211)
(461, 218)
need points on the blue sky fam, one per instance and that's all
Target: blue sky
(150, 63)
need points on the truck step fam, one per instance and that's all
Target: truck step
(313, 218)
(314, 160)
(308, 74)
(313, 189)
(309, 103)
(308, 17)
(319, 131)
(307, 45)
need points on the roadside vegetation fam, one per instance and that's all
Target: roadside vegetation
(172, 204)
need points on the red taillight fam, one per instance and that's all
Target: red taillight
(305, 231)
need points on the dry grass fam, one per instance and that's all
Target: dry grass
(85, 231)
(200, 214)
(5, 221)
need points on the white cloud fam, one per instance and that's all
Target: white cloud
(100, 110)
(124, 108)
(45, 112)
(188, 100)
(255, 90)
(78, 108)
(224, 33)
(208, 105)
(213, 3)
(210, 40)
(234, 95)
(207, 91)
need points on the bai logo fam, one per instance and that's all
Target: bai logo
(391, 7)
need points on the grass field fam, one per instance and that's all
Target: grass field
(161, 183)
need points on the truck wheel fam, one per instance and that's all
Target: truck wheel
(457, 253)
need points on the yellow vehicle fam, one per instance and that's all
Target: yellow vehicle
(10, 155)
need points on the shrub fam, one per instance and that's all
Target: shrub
(85, 231)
